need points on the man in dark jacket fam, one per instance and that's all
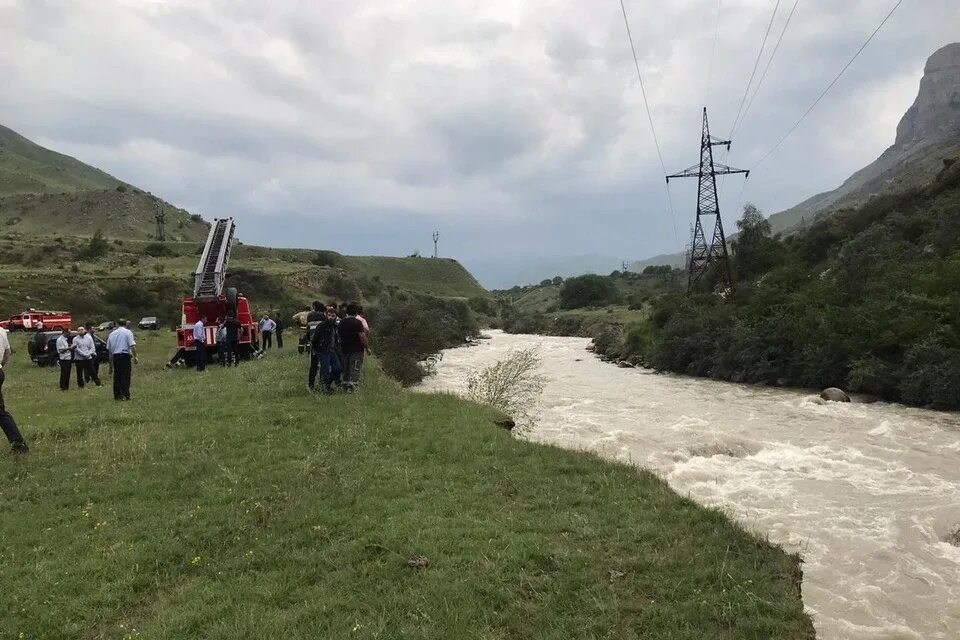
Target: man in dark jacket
(353, 344)
(323, 351)
(231, 336)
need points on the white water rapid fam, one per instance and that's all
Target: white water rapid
(866, 493)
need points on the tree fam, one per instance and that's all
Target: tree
(753, 249)
(557, 280)
(96, 248)
(587, 291)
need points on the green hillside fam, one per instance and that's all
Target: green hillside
(43, 192)
(134, 277)
(26, 167)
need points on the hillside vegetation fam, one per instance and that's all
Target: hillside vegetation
(865, 299)
(266, 509)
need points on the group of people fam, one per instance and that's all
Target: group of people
(79, 352)
(338, 337)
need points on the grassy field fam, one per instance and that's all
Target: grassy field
(232, 504)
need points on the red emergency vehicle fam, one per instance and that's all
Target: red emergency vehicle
(212, 300)
(36, 320)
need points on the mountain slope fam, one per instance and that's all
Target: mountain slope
(928, 134)
(44, 192)
(26, 167)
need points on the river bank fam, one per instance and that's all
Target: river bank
(866, 493)
(256, 508)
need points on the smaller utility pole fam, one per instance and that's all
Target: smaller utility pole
(160, 217)
(436, 236)
(624, 266)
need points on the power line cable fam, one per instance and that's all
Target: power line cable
(754, 72)
(828, 87)
(769, 61)
(653, 130)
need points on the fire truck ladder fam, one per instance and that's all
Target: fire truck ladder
(212, 269)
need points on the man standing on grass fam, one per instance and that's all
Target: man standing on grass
(200, 342)
(84, 355)
(323, 351)
(231, 332)
(278, 329)
(267, 325)
(122, 347)
(353, 344)
(7, 422)
(65, 356)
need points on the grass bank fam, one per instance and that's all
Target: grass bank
(234, 505)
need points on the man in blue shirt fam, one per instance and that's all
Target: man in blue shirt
(200, 342)
(123, 348)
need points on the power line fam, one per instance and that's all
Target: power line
(755, 65)
(653, 130)
(713, 52)
(770, 60)
(829, 86)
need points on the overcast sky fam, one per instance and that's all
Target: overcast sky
(515, 128)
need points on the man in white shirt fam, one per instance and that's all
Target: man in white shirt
(7, 422)
(123, 348)
(85, 355)
(267, 326)
(65, 358)
(200, 342)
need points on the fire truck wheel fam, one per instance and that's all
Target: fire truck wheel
(231, 294)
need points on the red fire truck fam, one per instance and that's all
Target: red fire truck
(212, 301)
(36, 320)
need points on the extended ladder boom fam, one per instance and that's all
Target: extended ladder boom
(212, 269)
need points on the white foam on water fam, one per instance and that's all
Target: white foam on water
(867, 493)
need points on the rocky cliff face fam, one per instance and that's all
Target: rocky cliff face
(936, 112)
(928, 133)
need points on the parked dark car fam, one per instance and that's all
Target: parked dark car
(150, 322)
(43, 348)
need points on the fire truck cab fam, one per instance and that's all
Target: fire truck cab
(36, 320)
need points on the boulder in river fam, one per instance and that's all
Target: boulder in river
(833, 394)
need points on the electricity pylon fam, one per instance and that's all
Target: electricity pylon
(436, 236)
(160, 217)
(704, 254)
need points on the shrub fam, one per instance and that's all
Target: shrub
(327, 259)
(341, 287)
(96, 248)
(158, 250)
(587, 291)
(511, 385)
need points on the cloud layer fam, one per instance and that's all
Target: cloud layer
(515, 128)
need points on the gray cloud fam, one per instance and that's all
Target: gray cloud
(517, 128)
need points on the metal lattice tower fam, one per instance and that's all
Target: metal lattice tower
(436, 236)
(160, 217)
(704, 253)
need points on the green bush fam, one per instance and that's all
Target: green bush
(159, 250)
(587, 291)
